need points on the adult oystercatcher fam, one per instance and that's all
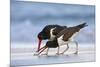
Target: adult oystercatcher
(63, 38)
(49, 32)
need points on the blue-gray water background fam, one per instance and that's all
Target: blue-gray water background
(29, 18)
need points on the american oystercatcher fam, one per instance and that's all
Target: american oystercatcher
(63, 38)
(49, 32)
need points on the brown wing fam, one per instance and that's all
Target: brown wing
(58, 29)
(69, 33)
(61, 33)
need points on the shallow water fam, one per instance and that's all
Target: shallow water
(35, 60)
(21, 56)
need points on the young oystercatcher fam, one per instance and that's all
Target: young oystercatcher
(49, 32)
(63, 38)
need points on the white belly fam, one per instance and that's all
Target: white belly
(61, 42)
(73, 36)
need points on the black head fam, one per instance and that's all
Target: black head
(43, 36)
(45, 33)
